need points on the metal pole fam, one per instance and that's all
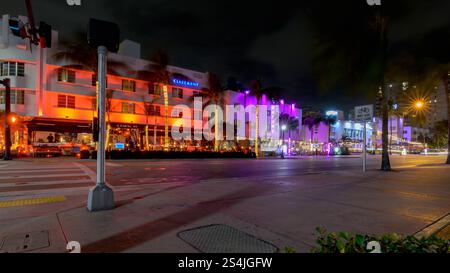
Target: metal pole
(101, 197)
(7, 153)
(365, 148)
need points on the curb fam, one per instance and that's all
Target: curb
(435, 227)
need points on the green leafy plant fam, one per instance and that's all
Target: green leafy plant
(344, 242)
(289, 250)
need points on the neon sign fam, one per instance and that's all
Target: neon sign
(185, 83)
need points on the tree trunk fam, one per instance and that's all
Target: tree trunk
(447, 92)
(108, 128)
(385, 162)
(166, 118)
(146, 133)
(257, 131)
(154, 137)
(391, 134)
(216, 130)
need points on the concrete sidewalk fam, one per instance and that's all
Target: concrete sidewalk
(282, 210)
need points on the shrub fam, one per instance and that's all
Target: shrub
(344, 242)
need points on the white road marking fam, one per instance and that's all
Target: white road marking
(87, 171)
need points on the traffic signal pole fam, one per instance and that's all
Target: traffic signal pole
(101, 197)
(7, 153)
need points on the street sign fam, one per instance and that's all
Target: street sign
(364, 113)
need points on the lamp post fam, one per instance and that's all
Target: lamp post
(419, 106)
(246, 93)
(283, 129)
(7, 153)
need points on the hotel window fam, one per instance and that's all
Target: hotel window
(154, 110)
(66, 101)
(127, 108)
(94, 80)
(177, 93)
(66, 75)
(129, 85)
(12, 69)
(155, 89)
(177, 113)
(17, 97)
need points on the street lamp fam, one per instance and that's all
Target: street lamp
(419, 105)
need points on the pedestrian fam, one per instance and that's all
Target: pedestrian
(50, 138)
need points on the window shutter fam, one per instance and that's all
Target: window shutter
(71, 102)
(62, 101)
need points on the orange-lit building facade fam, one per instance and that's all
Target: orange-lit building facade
(56, 104)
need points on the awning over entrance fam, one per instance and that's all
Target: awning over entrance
(62, 126)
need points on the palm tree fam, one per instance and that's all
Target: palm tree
(149, 107)
(256, 90)
(330, 121)
(215, 95)
(291, 123)
(156, 73)
(310, 122)
(108, 110)
(82, 56)
(381, 28)
(446, 83)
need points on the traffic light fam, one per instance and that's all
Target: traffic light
(102, 33)
(95, 130)
(45, 35)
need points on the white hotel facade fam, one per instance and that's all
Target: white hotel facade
(50, 98)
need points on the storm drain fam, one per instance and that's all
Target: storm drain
(225, 239)
(25, 242)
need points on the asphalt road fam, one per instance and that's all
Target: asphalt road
(280, 201)
(31, 175)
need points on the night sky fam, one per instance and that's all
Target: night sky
(321, 52)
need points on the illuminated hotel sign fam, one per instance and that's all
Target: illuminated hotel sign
(185, 83)
(331, 113)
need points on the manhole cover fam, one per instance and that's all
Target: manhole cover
(25, 242)
(225, 239)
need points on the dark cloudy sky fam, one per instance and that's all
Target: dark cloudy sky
(318, 50)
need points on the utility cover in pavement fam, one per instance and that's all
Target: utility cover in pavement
(25, 242)
(225, 239)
